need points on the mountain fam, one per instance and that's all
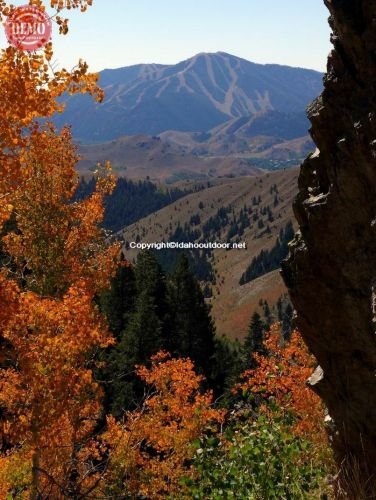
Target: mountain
(140, 157)
(195, 95)
(246, 135)
(278, 124)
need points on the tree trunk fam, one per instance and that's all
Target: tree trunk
(35, 490)
(331, 269)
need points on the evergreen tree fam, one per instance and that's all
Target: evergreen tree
(143, 336)
(192, 328)
(268, 314)
(255, 337)
(269, 260)
(227, 364)
(280, 308)
(130, 201)
(117, 302)
(145, 333)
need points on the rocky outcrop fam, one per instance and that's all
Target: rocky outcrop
(331, 270)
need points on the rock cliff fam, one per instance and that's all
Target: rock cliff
(331, 270)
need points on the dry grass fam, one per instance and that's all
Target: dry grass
(354, 482)
(232, 304)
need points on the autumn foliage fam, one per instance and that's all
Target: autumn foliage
(55, 441)
(48, 397)
(281, 377)
(150, 451)
(57, 242)
(29, 90)
(51, 326)
(58, 261)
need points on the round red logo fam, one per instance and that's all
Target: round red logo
(28, 28)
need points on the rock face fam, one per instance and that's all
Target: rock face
(331, 270)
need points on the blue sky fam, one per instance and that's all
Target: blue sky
(115, 33)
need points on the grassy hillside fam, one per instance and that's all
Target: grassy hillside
(221, 212)
(140, 157)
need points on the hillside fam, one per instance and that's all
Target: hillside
(176, 156)
(138, 157)
(210, 214)
(198, 94)
(245, 135)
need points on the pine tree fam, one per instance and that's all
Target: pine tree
(280, 308)
(268, 314)
(144, 335)
(118, 301)
(254, 340)
(192, 328)
(227, 364)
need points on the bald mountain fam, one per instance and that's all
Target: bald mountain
(195, 95)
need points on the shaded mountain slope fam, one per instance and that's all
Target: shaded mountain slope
(194, 95)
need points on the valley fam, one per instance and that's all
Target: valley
(222, 137)
(255, 209)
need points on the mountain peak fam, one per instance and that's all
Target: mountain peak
(194, 95)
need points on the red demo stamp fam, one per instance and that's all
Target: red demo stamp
(28, 28)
